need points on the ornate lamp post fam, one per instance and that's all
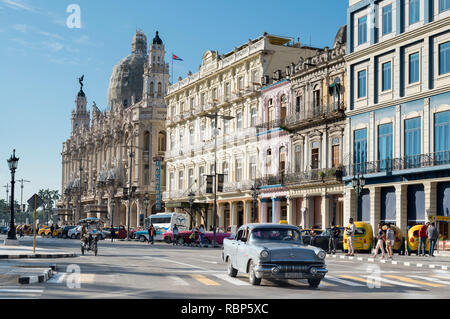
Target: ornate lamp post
(12, 163)
(358, 183)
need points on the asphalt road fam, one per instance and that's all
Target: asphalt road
(139, 270)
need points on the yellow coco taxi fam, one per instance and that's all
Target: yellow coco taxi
(413, 240)
(398, 242)
(363, 237)
(45, 231)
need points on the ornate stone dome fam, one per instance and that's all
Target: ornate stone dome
(127, 76)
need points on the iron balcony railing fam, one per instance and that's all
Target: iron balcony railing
(315, 113)
(298, 178)
(398, 164)
(271, 124)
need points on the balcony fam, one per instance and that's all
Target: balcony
(424, 162)
(321, 175)
(96, 209)
(271, 125)
(315, 115)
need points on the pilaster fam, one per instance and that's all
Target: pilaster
(401, 207)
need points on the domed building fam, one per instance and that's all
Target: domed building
(112, 163)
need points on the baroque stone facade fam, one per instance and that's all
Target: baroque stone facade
(115, 149)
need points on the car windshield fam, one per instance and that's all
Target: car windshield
(276, 234)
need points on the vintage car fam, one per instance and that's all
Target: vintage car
(322, 240)
(306, 234)
(184, 237)
(273, 251)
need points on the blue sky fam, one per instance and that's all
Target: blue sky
(41, 59)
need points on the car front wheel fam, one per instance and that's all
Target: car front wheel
(142, 238)
(252, 275)
(314, 283)
(232, 272)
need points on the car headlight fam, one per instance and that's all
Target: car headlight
(321, 254)
(264, 254)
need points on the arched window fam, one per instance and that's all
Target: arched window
(253, 117)
(283, 106)
(282, 160)
(159, 89)
(161, 142)
(152, 89)
(270, 111)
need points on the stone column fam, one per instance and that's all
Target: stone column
(401, 208)
(305, 212)
(221, 210)
(375, 206)
(233, 208)
(248, 207)
(263, 210)
(291, 206)
(349, 205)
(325, 209)
(430, 189)
(276, 209)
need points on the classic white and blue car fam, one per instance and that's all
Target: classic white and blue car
(273, 251)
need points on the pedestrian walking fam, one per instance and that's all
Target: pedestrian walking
(334, 236)
(52, 228)
(202, 234)
(423, 239)
(390, 239)
(175, 235)
(433, 235)
(381, 238)
(150, 236)
(350, 232)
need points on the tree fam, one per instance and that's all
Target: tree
(48, 197)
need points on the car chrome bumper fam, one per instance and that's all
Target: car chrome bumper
(276, 271)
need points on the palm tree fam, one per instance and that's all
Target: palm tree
(48, 197)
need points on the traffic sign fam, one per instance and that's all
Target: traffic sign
(35, 199)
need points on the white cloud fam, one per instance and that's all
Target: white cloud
(20, 27)
(53, 46)
(17, 5)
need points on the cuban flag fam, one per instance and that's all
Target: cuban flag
(174, 57)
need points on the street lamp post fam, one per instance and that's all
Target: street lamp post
(358, 183)
(214, 117)
(12, 163)
(255, 201)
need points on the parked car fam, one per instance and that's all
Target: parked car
(26, 229)
(363, 238)
(306, 234)
(106, 233)
(74, 233)
(322, 240)
(184, 237)
(4, 229)
(120, 232)
(65, 230)
(273, 251)
(413, 241)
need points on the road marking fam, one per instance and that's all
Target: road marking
(419, 265)
(341, 281)
(445, 276)
(353, 278)
(210, 262)
(413, 281)
(432, 266)
(177, 281)
(395, 283)
(406, 263)
(444, 267)
(394, 262)
(57, 278)
(431, 279)
(205, 281)
(22, 290)
(360, 258)
(371, 259)
(87, 278)
(326, 284)
(232, 280)
(175, 262)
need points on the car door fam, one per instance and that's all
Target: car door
(234, 249)
(242, 250)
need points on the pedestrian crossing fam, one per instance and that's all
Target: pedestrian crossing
(19, 292)
(343, 280)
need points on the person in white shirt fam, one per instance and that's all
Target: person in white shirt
(350, 230)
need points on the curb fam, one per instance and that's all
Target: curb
(38, 256)
(31, 279)
(394, 262)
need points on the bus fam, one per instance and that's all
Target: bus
(164, 222)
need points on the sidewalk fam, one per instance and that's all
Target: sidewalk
(15, 252)
(440, 261)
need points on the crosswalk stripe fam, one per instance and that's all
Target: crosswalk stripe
(413, 281)
(205, 281)
(394, 283)
(443, 276)
(342, 281)
(178, 281)
(232, 280)
(431, 279)
(22, 290)
(354, 278)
